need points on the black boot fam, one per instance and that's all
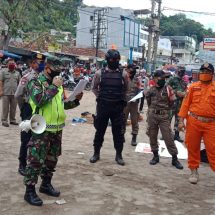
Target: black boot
(155, 159)
(21, 169)
(96, 155)
(176, 163)
(177, 137)
(119, 159)
(134, 140)
(31, 196)
(47, 188)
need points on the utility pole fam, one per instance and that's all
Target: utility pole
(157, 33)
(151, 31)
(98, 33)
(99, 29)
(143, 53)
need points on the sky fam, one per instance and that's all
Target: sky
(188, 5)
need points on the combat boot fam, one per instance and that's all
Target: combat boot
(134, 140)
(96, 155)
(176, 163)
(155, 159)
(47, 188)
(31, 196)
(194, 177)
(21, 169)
(119, 159)
(177, 137)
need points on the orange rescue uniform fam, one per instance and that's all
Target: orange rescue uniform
(198, 108)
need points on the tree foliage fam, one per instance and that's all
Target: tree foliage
(180, 25)
(38, 16)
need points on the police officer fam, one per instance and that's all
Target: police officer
(22, 97)
(46, 95)
(160, 99)
(179, 86)
(134, 87)
(198, 108)
(109, 86)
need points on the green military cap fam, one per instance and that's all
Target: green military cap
(54, 63)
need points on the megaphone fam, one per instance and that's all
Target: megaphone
(37, 124)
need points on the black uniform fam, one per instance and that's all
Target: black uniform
(109, 85)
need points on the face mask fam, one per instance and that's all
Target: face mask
(205, 77)
(11, 67)
(113, 65)
(41, 67)
(161, 82)
(181, 73)
(54, 74)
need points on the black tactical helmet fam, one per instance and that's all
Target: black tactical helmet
(207, 66)
(112, 54)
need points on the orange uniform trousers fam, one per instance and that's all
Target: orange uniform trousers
(195, 131)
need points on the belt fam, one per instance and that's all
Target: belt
(201, 118)
(159, 112)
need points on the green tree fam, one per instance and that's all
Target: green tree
(37, 16)
(180, 25)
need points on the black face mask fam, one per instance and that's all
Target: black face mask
(181, 73)
(54, 74)
(161, 82)
(113, 65)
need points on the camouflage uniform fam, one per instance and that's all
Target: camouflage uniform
(44, 148)
(178, 85)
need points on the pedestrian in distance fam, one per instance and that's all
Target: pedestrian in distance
(9, 80)
(134, 87)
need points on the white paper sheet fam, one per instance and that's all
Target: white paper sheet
(139, 95)
(78, 89)
(163, 152)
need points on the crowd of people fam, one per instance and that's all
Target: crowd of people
(40, 90)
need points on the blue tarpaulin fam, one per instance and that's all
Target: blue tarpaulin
(9, 54)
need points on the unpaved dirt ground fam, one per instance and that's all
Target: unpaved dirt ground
(104, 188)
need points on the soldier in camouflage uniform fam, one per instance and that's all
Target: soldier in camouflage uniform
(22, 97)
(179, 86)
(160, 99)
(46, 99)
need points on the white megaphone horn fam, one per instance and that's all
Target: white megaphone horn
(37, 124)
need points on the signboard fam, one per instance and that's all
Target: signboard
(209, 43)
(54, 48)
(131, 33)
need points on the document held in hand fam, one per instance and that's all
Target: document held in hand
(78, 89)
(138, 96)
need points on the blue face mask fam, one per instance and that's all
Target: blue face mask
(41, 67)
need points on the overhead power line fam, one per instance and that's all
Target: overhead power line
(190, 11)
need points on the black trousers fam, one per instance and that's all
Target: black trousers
(114, 112)
(26, 113)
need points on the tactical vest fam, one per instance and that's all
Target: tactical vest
(52, 111)
(111, 86)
